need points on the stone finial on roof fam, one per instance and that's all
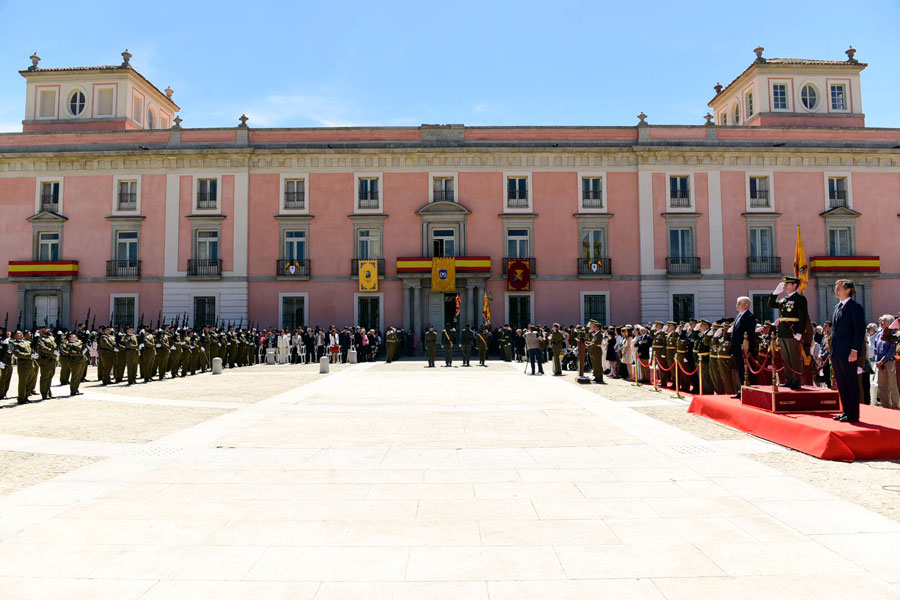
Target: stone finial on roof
(35, 59)
(851, 52)
(177, 124)
(126, 57)
(169, 91)
(759, 57)
(709, 120)
(643, 119)
(718, 88)
(243, 119)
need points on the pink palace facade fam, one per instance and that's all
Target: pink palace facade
(110, 204)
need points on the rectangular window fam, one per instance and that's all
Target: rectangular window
(443, 242)
(839, 241)
(723, 118)
(759, 192)
(104, 102)
(595, 308)
(519, 312)
(681, 242)
(838, 97)
(517, 192)
(48, 245)
(368, 192)
(760, 241)
(127, 245)
(682, 307)
(837, 192)
(592, 192)
(368, 309)
(749, 104)
(123, 311)
(761, 308)
(294, 245)
(292, 310)
(207, 245)
(295, 194)
(47, 104)
(517, 245)
(443, 189)
(137, 109)
(207, 194)
(204, 311)
(592, 242)
(368, 244)
(679, 191)
(127, 197)
(779, 96)
(50, 196)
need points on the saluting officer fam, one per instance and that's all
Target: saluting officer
(74, 353)
(793, 316)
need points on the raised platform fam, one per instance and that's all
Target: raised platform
(875, 437)
(808, 399)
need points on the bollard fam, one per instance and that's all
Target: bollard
(270, 356)
(351, 356)
(217, 366)
(323, 364)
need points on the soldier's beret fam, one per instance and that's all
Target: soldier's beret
(791, 279)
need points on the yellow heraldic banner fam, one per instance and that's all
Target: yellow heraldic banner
(368, 275)
(443, 274)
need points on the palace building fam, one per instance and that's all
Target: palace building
(110, 204)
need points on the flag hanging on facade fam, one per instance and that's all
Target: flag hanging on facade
(486, 309)
(368, 275)
(801, 269)
(443, 274)
(457, 307)
(518, 274)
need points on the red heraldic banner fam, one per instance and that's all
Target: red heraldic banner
(518, 274)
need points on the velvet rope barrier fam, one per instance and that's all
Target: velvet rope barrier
(659, 366)
(691, 374)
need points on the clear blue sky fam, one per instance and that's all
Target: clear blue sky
(297, 64)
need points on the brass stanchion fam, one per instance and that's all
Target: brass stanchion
(677, 367)
(700, 372)
(654, 376)
(772, 348)
(634, 363)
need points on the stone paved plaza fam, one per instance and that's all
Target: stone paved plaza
(394, 481)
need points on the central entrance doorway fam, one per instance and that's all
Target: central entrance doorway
(442, 310)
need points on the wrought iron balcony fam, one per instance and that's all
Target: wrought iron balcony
(759, 199)
(130, 269)
(532, 263)
(296, 268)
(368, 199)
(204, 267)
(354, 266)
(206, 200)
(592, 198)
(680, 198)
(295, 200)
(683, 265)
(763, 264)
(50, 203)
(442, 196)
(837, 198)
(594, 267)
(517, 199)
(127, 201)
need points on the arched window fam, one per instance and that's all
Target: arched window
(76, 103)
(809, 97)
(737, 113)
(149, 118)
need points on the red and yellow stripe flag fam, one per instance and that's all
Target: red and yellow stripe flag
(801, 269)
(486, 310)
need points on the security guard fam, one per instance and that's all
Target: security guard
(595, 350)
(466, 339)
(48, 355)
(793, 317)
(556, 347)
(132, 349)
(73, 352)
(447, 337)
(482, 343)
(26, 367)
(430, 344)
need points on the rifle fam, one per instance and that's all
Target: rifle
(88, 317)
(6, 322)
(19, 321)
(158, 319)
(93, 322)
(141, 322)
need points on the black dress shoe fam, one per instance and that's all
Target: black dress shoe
(837, 417)
(737, 396)
(23, 402)
(846, 419)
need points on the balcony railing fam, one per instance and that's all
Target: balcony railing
(763, 264)
(592, 198)
(443, 196)
(531, 261)
(123, 268)
(127, 202)
(204, 267)
(680, 198)
(50, 203)
(292, 267)
(354, 266)
(295, 200)
(682, 265)
(760, 199)
(837, 198)
(594, 266)
(206, 200)
(517, 199)
(368, 200)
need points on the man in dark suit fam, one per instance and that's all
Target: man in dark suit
(744, 323)
(847, 339)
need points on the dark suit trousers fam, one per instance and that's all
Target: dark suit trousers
(848, 386)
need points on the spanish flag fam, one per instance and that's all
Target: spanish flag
(486, 309)
(801, 269)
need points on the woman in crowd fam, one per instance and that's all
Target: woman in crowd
(628, 351)
(283, 347)
(334, 345)
(612, 357)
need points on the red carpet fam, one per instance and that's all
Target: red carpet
(876, 436)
